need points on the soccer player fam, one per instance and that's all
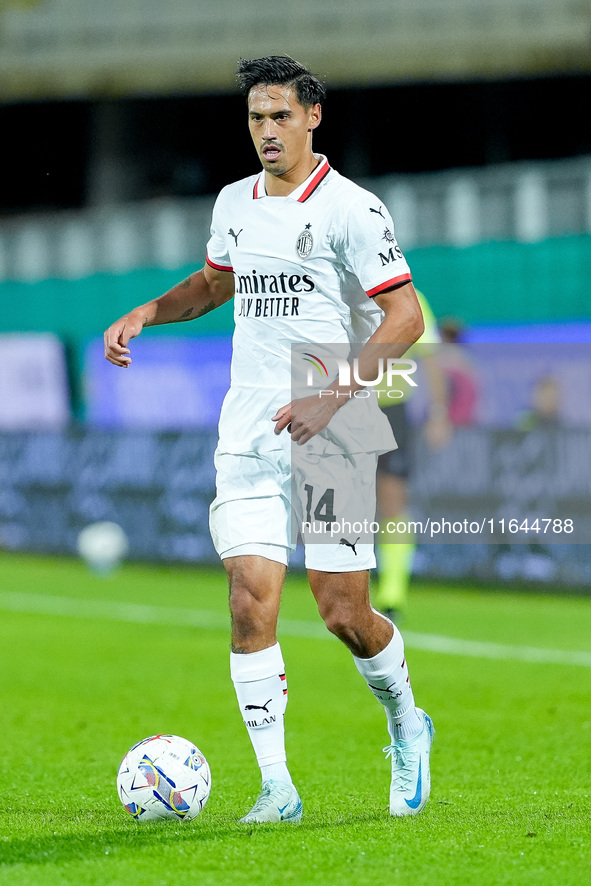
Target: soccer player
(286, 243)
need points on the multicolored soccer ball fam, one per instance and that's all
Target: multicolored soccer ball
(164, 777)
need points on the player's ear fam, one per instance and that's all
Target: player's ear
(314, 117)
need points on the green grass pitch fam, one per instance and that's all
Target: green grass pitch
(89, 666)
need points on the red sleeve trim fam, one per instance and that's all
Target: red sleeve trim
(218, 267)
(389, 284)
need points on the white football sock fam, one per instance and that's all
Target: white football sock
(387, 677)
(261, 690)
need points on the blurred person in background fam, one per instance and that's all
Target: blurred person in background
(451, 390)
(460, 374)
(544, 411)
(395, 549)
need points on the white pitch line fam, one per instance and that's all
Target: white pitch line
(177, 616)
(499, 651)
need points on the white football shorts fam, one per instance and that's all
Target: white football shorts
(264, 502)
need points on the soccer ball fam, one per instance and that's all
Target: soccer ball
(164, 777)
(103, 545)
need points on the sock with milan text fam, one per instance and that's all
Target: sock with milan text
(387, 677)
(261, 690)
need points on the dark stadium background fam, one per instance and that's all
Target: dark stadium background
(195, 144)
(120, 123)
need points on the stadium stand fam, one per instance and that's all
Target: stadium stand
(75, 47)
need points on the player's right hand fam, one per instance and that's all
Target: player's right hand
(117, 337)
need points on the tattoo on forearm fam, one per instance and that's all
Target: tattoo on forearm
(189, 312)
(205, 310)
(186, 283)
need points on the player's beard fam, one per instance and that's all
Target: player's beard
(275, 167)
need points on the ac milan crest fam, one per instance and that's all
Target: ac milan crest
(305, 242)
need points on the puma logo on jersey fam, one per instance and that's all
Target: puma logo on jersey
(377, 211)
(235, 236)
(350, 544)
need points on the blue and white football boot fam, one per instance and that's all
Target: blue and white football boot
(411, 775)
(279, 801)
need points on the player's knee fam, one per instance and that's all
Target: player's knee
(339, 619)
(251, 614)
(243, 604)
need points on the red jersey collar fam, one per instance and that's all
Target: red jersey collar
(303, 191)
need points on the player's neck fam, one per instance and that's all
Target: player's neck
(283, 185)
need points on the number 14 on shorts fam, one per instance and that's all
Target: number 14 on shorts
(324, 509)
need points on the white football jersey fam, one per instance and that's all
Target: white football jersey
(306, 267)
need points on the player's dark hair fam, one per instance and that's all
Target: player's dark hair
(280, 70)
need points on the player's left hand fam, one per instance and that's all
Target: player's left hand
(305, 417)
